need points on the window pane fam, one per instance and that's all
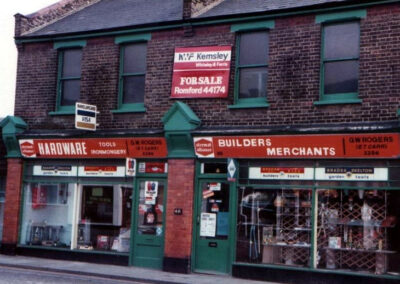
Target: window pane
(105, 218)
(342, 41)
(341, 77)
(70, 92)
(253, 83)
(133, 89)
(135, 58)
(47, 215)
(274, 226)
(358, 230)
(72, 63)
(151, 208)
(254, 48)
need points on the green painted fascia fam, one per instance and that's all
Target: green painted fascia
(199, 22)
(11, 126)
(270, 24)
(179, 144)
(13, 123)
(341, 16)
(180, 117)
(132, 38)
(69, 44)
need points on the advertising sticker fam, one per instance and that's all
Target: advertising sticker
(201, 72)
(150, 192)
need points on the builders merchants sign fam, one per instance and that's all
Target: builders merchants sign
(201, 72)
(139, 147)
(379, 145)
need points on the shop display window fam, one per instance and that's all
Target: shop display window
(47, 215)
(150, 208)
(105, 218)
(274, 226)
(358, 230)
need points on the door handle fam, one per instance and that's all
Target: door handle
(198, 219)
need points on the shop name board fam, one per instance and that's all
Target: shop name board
(380, 145)
(271, 173)
(352, 174)
(151, 147)
(201, 72)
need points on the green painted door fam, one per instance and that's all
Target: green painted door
(148, 239)
(213, 221)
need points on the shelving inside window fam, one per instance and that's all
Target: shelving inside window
(274, 226)
(357, 230)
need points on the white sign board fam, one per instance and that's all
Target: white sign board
(85, 116)
(208, 224)
(55, 171)
(101, 171)
(281, 173)
(352, 174)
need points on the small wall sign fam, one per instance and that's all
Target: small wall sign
(178, 211)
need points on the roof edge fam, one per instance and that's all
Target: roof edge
(25, 24)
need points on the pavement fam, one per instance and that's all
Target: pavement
(117, 272)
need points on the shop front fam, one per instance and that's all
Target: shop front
(103, 204)
(308, 205)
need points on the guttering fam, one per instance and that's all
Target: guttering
(226, 19)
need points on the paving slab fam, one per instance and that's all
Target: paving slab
(118, 272)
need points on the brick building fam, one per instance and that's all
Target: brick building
(253, 138)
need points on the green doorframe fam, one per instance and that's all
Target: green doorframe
(135, 208)
(199, 177)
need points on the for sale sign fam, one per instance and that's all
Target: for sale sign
(201, 72)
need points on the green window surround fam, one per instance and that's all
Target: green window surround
(68, 75)
(251, 66)
(132, 73)
(340, 54)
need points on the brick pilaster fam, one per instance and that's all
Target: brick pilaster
(178, 233)
(12, 205)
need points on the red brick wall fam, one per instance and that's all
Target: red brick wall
(293, 81)
(13, 201)
(178, 232)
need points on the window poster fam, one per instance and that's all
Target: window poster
(150, 192)
(208, 224)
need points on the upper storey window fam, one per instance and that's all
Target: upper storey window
(340, 55)
(251, 68)
(69, 75)
(132, 73)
